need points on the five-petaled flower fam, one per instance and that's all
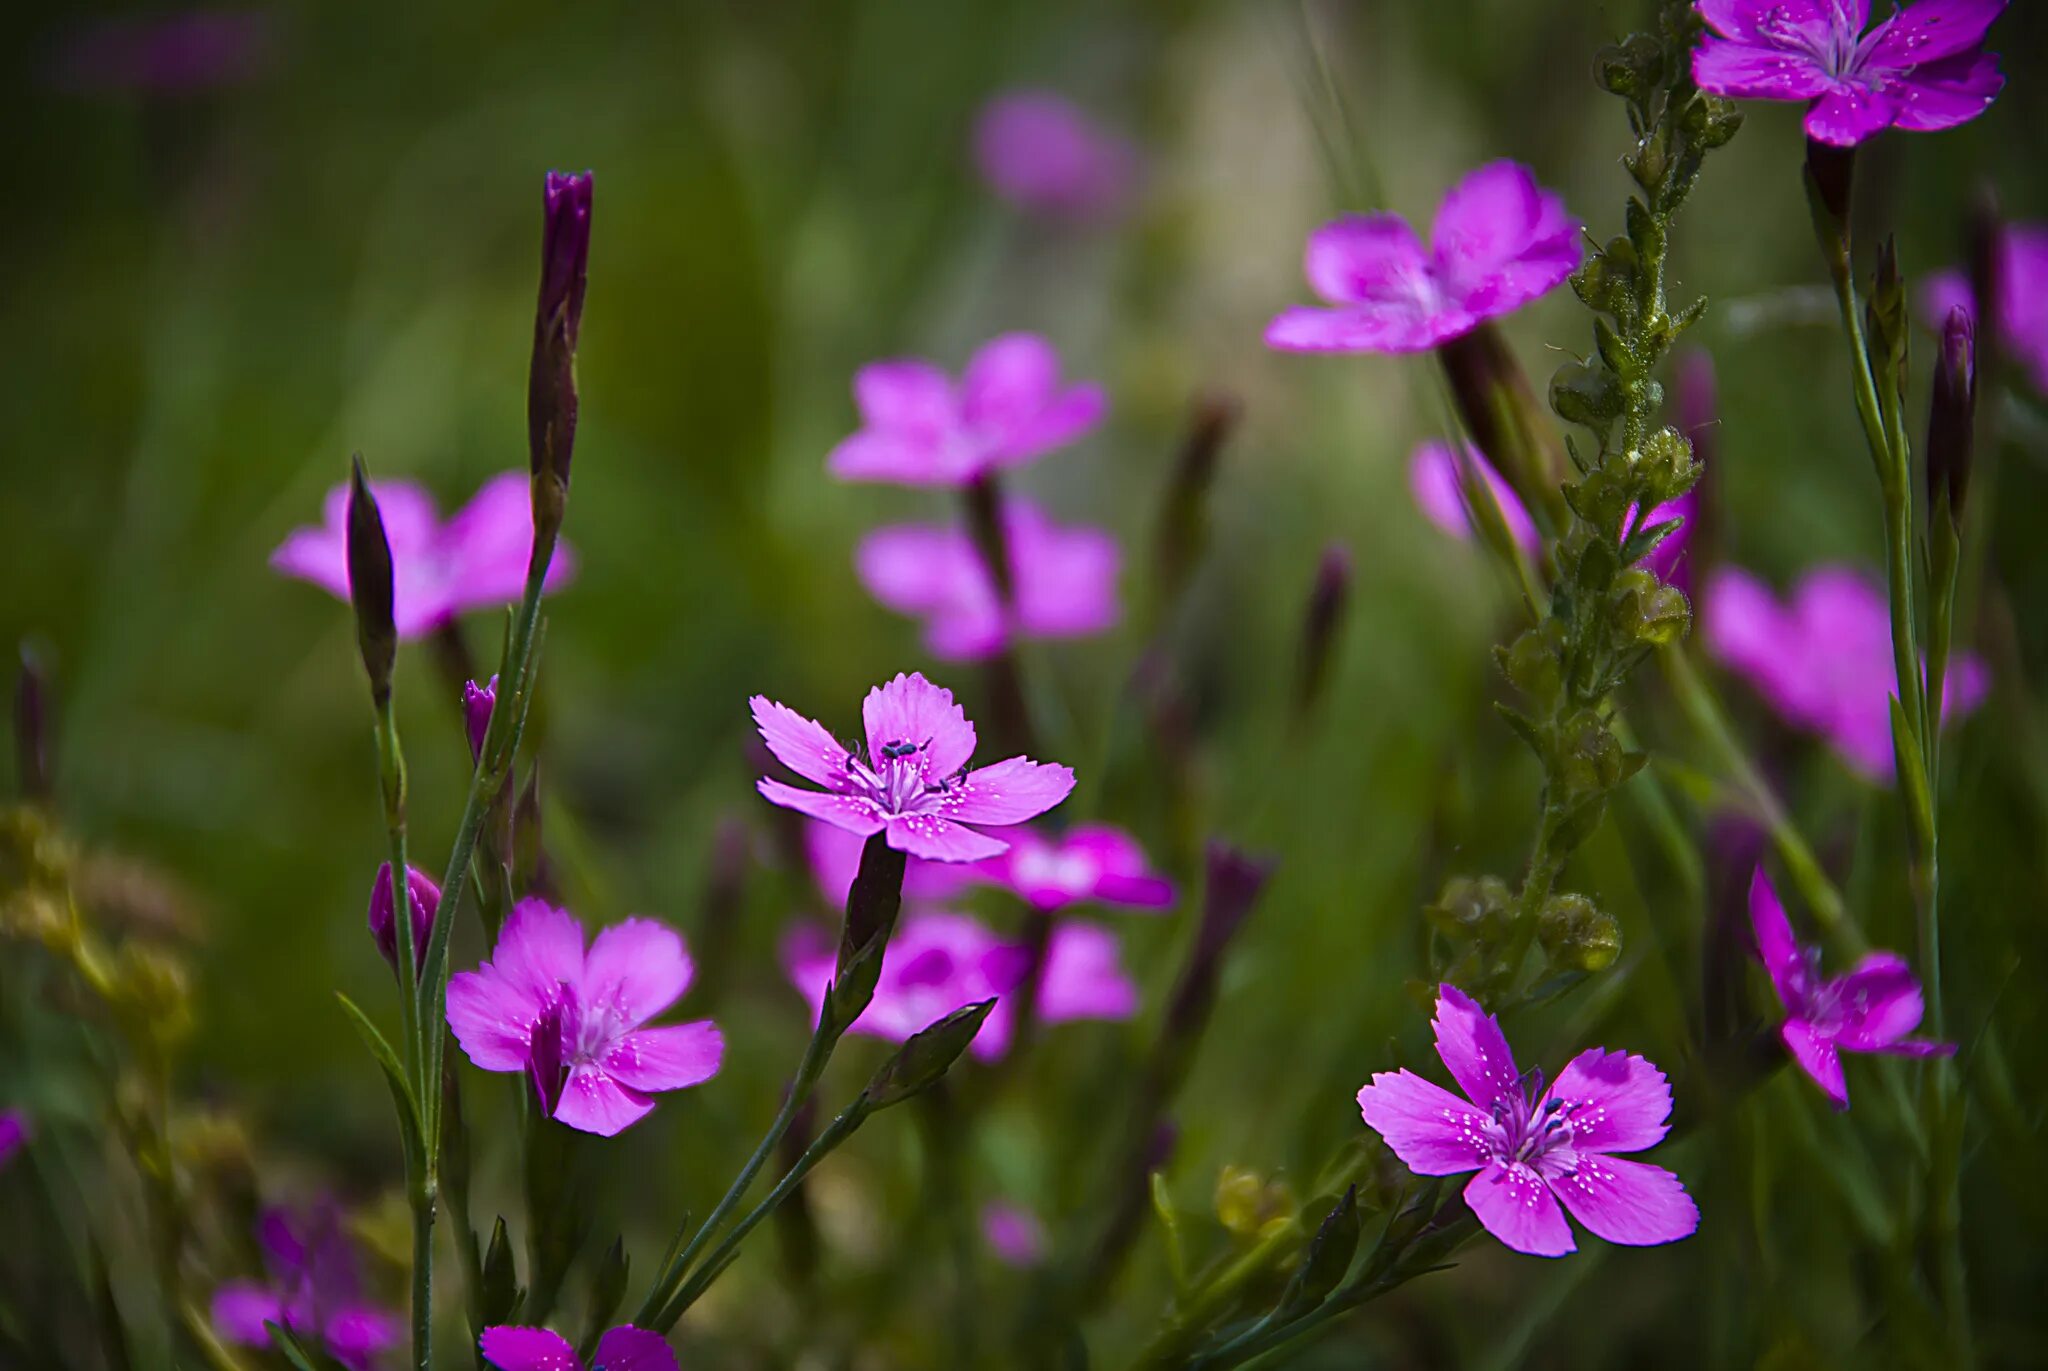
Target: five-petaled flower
(625, 1348)
(313, 1292)
(1091, 862)
(438, 570)
(1533, 1147)
(920, 429)
(1871, 1009)
(1042, 153)
(911, 780)
(1500, 240)
(2020, 275)
(574, 1019)
(1924, 67)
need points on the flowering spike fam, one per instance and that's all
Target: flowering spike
(558, 321)
(369, 583)
(423, 898)
(1952, 419)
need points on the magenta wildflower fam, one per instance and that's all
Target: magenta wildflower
(1435, 481)
(600, 1067)
(2021, 276)
(939, 961)
(911, 779)
(1823, 660)
(920, 429)
(423, 898)
(1924, 67)
(834, 855)
(1871, 1009)
(1063, 581)
(1042, 153)
(14, 1134)
(1014, 1234)
(1092, 862)
(624, 1348)
(313, 1291)
(1533, 1147)
(1500, 241)
(476, 559)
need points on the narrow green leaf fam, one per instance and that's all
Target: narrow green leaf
(394, 1075)
(1912, 778)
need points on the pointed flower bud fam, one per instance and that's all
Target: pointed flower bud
(1830, 176)
(551, 384)
(31, 727)
(477, 703)
(1184, 511)
(1952, 420)
(423, 898)
(369, 584)
(926, 1056)
(1326, 604)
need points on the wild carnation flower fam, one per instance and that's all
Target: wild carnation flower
(1014, 1234)
(574, 1020)
(1924, 67)
(911, 780)
(1063, 581)
(2021, 273)
(476, 559)
(1042, 153)
(313, 1291)
(919, 429)
(1823, 660)
(939, 961)
(624, 1348)
(1091, 862)
(1500, 241)
(14, 1134)
(1533, 1147)
(1871, 1009)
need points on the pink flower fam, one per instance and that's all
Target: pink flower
(834, 854)
(1042, 153)
(624, 1348)
(2021, 273)
(1063, 579)
(940, 961)
(14, 1134)
(1500, 241)
(1014, 1234)
(1433, 478)
(313, 1291)
(919, 429)
(1824, 660)
(476, 559)
(911, 780)
(574, 1020)
(1869, 1010)
(1088, 862)
(1924, 67)
(1534, 1147)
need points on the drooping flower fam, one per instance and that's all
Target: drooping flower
(920, 429)
(1823, 660)
(313, 1291)
(14, 1134)
(1439, 490)
(1014, 1234)
(1062, 579)
(575, 1020)
(834, 855)
(1092, 862)
(910, 780)
(423, 898)
(625, 1348)
(1500, 240)
(1871, 1009)
(476, 559)
(1534, 1147)
(2021, 277)
(1923, 67)
(1042, 153)
(939, 961)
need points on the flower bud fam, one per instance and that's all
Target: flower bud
(1472, 910)
(1591, 757)
(926, 1056)
(1184, 511)
(477, 703)
(1577, 935)
(872, 903)
(1830, 176)
(1502, 417)
(1606, 281)
(1586, 395)
(1885, 313)
(369, 584)
(1666, 465)
(551, 383)
(1648, 612)
(1952, 419)
(1630, 69)
(423, 899)
(1530, 664)
(1711, 120)
(31, 727)
(1326, 603)
(1247, 1203)
(501, 1293)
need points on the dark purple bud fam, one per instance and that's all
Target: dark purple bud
(1830, 177)
(1952, 420)
(872, 904)
(1233, 883)
(31, 727)
(1985, 256)
(1319, 629)
(369, 584)
(544, 1064)
(423, 899)
(477, 702)
(1184, 512)
(551, 384)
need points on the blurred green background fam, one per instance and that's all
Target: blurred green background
(214, 297)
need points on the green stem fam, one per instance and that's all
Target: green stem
(423, 1274)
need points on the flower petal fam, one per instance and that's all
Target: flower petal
(491, 1019)
(627, 1348)
(1066, 417)
(1944, 94)
(1407, 325)
(1620, 1102)
(486, 545)
(1814, 21)
(1501, 240)
(1848, 114)
(940, 840)
(905, 394)
(1084, 976)
(1745, 71)
(1065, 577)
(854, 813)
(910, 709)
(1432, 1131)
(1929, 30)
(1007, 383)
(1517, 1207)
(527, 1349)
(1775, 945)
(1817, 1057)
(356, 1334)
(803, 745)
(635, 969)
(667, 1058)
(241, 1308)
(937, 574)
(539, 950)
(1437, 483)
(1627, 1202)
(1364, 258)
(595, 1103)
(1880, 1003)
(1471, 1044)
(1009, 792)
(887, 455)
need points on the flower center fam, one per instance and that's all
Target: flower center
(1523, 1132)
(897, 777)
(1836, 52)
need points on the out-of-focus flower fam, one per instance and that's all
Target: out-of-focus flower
(1534, 1147)
(174, 54)
(1924, 67)
(920, 429)
(1062, 580)
(313, 1292)
(2021, 275)
(939, 961)
(597, 1002)
(1014, 1234)
(1042, 153)
(624, 1348)
(476, 559)
(1090, 862)
(14, 1134)
(423, 898)
(911, 781)
(1823, 660)
(834, 855)
(1500, 240)
(1439, 492)
(1871, 1009)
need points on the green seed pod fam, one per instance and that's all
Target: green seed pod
(1577, 935)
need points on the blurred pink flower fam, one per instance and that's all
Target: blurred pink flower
(1500, 240)
(1041, 152)
(1063, 580)
(1433, 478)
(1534, 1147)
(625, 1348)
(2022, 287)
(920, 429)
(1090, 862)
(14, 1134)
(1823, 660)
(911, 781)
(170, 54)
(1871, 1009)
(575, 1019)
(1923, 67)
(313, 1291)
(1014, 1234)
(475, 560)
(834, 855)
